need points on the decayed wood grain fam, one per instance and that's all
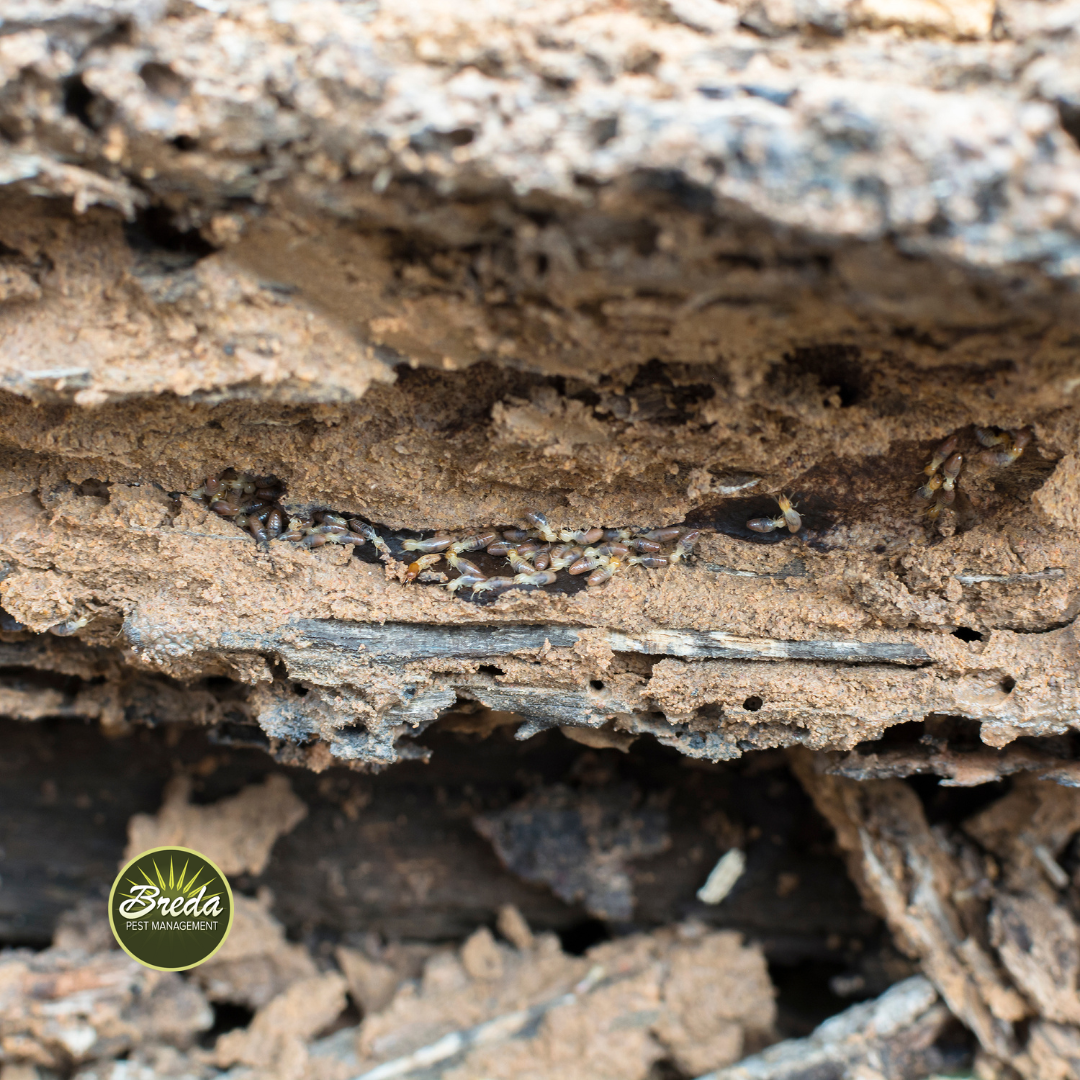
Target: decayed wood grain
(413, 641)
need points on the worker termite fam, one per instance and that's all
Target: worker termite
(563, 555)
(621, 550)
(540, 523)
(519, 563)
(990, 438)
(438, 542)
(686, 545)
(663, 536)
(589, 560)
(542, 559)
(465, 581)
(1012, 443)
(275, 522)
(641, 544)
(581, 536)
(463, 566)
(604, 573)
(766, 524)
(345, 538)
(293, 531)
(650, 562)
(325, 517)
(931, 486)
(950, 471)
(492, 584)
(363, 529)
(538, 577)
(941, 454)
(421, 564)
(791, 518)
(474, 542)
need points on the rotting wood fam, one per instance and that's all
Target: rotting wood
(957, 768)
(406, 642)
(995, 936)
(892, 1035)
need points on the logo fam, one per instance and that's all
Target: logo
(170, 908)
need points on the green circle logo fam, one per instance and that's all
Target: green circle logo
(170, 908)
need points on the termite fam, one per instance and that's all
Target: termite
(539, 577)
(431, 544)
(463, 566)
(563, 555)
(622, 550)
(663, 536)
(589, 560)
(931, 485)
(1014, 447)
(420, 565)
(474, 542)
(581, 536)
(650, 562)
(604, 573)
(275, 522)
(520, 564)
(541, 524)
(766, 524)
(791, 518)
(686, 545)
(369, 534)
(941, 454)
(465, 581)
(492, 584)
(294, 531)
(950, 471)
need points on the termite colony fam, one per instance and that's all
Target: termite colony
(1002, 448)
(535, 555)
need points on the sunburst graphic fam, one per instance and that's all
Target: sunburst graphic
(175, 885)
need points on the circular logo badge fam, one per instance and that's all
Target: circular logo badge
(170, 908)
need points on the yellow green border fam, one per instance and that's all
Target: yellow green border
(209, 862)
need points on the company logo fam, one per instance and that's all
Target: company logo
(170, 908)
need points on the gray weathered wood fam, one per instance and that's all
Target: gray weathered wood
(405, 642)
(409, 641)
(715, 644)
